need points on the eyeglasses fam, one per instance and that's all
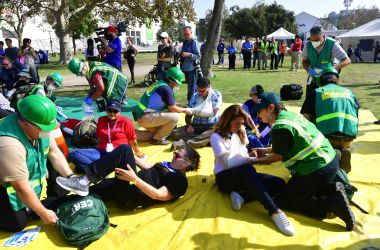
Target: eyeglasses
(112, 111)
(5, 64)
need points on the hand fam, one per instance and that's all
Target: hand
(258, 152)
(140, 155)
(48, 217)
(126, 175)
(88, 100)
(312, 72)
(190, 129)
(257, 133)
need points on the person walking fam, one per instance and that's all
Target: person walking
(130, 56)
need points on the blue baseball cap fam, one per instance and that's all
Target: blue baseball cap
(265, 100)
(114, 105)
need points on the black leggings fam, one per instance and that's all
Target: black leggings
(251, 185)
(131, 65)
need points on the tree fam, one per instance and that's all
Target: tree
(15, 13)
(358, 17)
(112, 10)
(213, 35)
(203, 24)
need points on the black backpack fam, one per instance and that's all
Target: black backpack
(84, 135)
(291, 92)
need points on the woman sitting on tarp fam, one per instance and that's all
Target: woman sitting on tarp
(112, 131)
(258, 132)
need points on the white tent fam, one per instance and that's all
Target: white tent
(365, 35)
(281, 33)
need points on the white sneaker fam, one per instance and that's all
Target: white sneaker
(236, 201)
(282, 223)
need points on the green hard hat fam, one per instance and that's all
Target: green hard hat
(330, 71)
(74, 65)
(57, 78)
(175, 74)
(38, 110)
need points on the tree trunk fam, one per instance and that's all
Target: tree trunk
(74, 45)
(63, 36)
(212, 37)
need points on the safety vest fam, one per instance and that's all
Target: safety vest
(275, 46)
(310, 151)
(41, 86)
(336, 110)
(35, 159)
(115, 82)
(264, 45)
(322, 60)
(144, 101)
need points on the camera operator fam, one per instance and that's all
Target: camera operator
(113, 48)
(188, 56)
(165, 54)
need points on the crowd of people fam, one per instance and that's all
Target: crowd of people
(312, 145)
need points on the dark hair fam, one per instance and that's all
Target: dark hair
(222, 127)
(187, 27)
(278, 108)
(193, 157)
(316, 30)
(296, 36)
(204, 82)
(329, 78)
(259, 90)
(90, 47)
(26, 40)
(8, 39)
(1, 42)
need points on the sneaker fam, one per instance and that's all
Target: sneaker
(236, 201)
(198, 143)
(131, 83)
(159, 142)
(345, 160)
(72, 184)
(341, 207)
(282, 223)
(178, 145)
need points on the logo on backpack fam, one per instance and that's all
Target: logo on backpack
(82, 204)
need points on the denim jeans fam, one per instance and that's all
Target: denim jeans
(191, 80)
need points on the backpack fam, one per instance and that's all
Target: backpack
(84, 135)
(291, 92)
(19, 94)
(349, 189)
(83, 220)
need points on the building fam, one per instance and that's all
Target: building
(305, 22)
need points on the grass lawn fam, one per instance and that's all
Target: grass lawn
(235, 85)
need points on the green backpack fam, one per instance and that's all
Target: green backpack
(83, 220)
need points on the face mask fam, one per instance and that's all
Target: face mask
(316, 43)
(51, 87)
(44, 134)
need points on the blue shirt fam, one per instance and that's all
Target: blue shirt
(114, 58)
(190, 46)
(216, 99)
(2, 53)
(231, 50)
(161, 99)
(247, 45)
(10, 76)
(220, 47)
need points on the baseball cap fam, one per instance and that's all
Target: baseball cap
(164, 35)
(24, 73)
(114, 105)
(257, 90)
(111, 28)
(265, 100)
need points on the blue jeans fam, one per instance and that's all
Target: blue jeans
(83, 157)
(191, 83)
(254, 142)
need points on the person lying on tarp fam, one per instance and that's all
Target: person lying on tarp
(154, 183)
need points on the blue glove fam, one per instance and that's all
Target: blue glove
(88, 100)
(312, 72)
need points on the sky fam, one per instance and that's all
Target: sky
(318, 8)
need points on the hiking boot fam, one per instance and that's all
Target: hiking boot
(345, 160)
(178, 145)
(236, 201)
(340, 206)
(282, 223)
(159, 142)
(73, 184)
(198, 143)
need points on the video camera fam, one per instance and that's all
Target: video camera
(103, 32)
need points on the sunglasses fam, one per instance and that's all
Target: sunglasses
(5, 64)
(112, 111)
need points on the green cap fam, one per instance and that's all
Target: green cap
(57, 78)
(265, 100)
(329, 71)
(74, 65)
(38, 110)
(175, 74)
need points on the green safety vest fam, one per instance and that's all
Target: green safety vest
(275, 46)
(323, 60)
(336, 110)
(144, 101)
(115, 82)
(41, 86)
(35, 159)
(264, 46)
(310, 151)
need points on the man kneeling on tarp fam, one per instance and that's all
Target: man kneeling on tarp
(163, 181)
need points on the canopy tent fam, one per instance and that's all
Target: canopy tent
(366, 35)
(281, 33)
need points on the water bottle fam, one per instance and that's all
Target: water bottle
(88, 110)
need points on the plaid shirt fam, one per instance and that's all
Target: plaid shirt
(4, 103)
(216, 98)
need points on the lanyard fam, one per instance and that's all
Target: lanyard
(109, 131)
(167, 166)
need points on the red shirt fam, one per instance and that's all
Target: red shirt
(297, 45)
(122, 133)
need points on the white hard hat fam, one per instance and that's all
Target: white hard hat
(164, 35)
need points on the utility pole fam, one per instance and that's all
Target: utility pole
(51, 42)
(347, 3)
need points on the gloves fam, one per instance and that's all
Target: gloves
(312, 72)
(88, 100)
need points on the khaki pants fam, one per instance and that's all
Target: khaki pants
(158, 125)
(295, 60)
(340, 144)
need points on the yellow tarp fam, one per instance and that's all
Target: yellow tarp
(203, 218)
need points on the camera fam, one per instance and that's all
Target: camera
(103, 32)
(198, 70)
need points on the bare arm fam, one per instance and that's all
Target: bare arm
(99, 89)
(58, 160)
(143, 164)
(343, 63)
(136, 148)
(176, 109)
